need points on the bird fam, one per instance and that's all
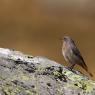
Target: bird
(72, 54)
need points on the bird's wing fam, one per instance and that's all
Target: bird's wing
(77, 53)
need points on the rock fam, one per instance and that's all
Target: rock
(22, 74)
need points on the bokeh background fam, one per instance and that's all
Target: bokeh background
(35, 27)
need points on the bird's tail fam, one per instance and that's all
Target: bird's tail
(88, 71)
(84, 66)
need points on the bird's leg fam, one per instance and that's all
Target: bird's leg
(71, 67)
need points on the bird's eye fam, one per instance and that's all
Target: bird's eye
(65, 38)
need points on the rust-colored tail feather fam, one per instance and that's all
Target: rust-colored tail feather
(86, 69)
(89, 73)
(84, 66)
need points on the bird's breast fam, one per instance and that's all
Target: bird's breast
(67, 53)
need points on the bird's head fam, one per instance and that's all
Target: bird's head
(66, 38)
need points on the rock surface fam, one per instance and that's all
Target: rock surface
(22, 74)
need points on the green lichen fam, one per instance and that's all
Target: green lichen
(78, 81)
(11, 89)
(56, 73)
(86, 86)
(24, 77)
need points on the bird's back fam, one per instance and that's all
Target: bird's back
(72, 54)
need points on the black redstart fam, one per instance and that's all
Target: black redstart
(72, 55)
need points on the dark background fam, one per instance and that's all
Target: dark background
(35, 27)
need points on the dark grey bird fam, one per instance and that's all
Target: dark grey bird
(72, 54)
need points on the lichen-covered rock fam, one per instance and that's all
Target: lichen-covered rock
(22, 74)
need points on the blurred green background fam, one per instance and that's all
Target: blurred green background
(35, 27)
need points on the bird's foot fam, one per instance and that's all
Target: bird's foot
(69, 68)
